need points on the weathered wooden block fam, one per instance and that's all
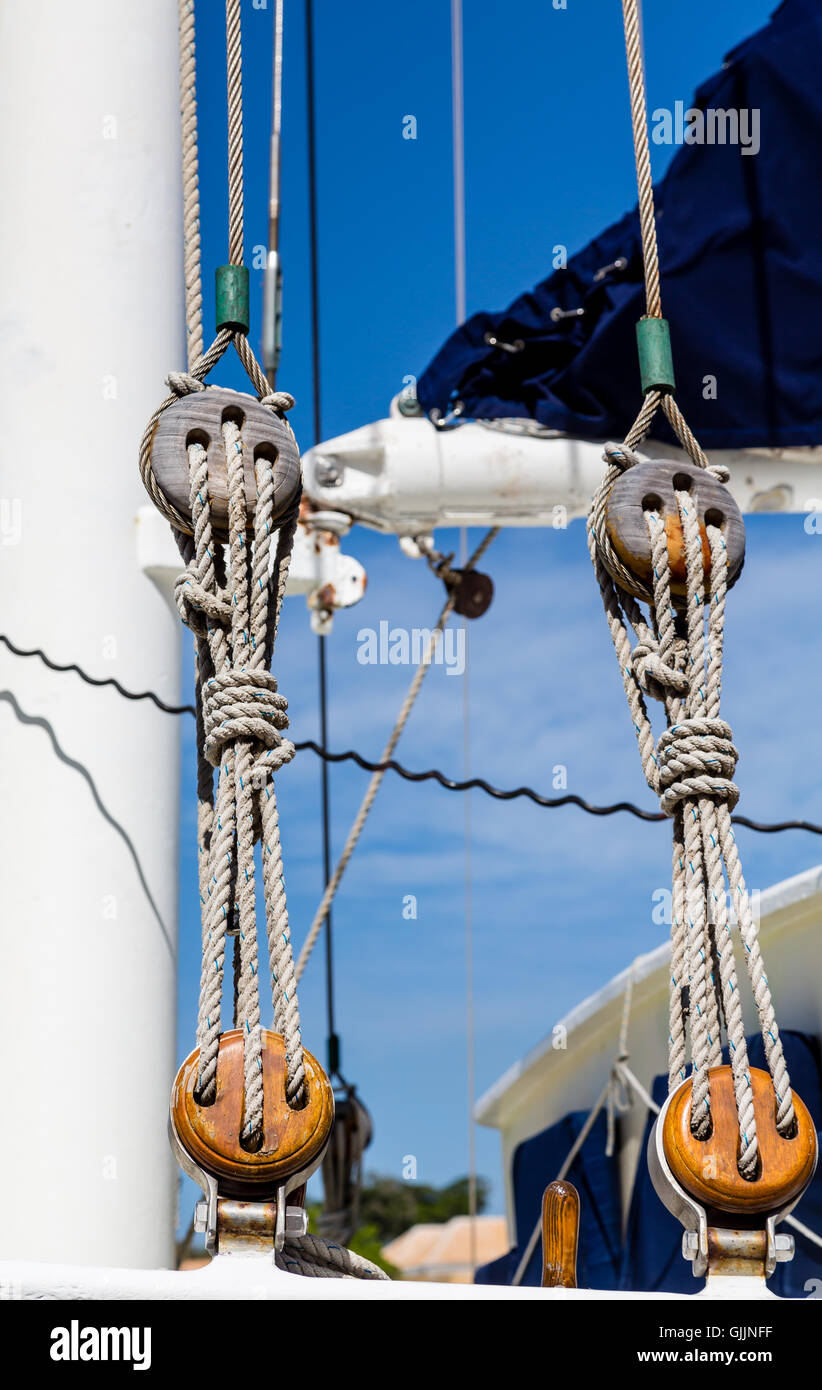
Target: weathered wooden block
(293, 1141)
(707, 1168)
(198, 418)
(651, 486)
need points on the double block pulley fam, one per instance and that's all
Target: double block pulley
(730, 1219)
(253, 1195)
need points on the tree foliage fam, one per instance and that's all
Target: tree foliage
(390, 1205)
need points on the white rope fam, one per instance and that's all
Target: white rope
(376, 780)
(639, 120)
(241, 717)
(804, 1230)
(191, 182)
(234, 69)
(691, 767)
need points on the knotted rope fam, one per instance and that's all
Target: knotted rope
(678, 661)
(691, 768)
(242, 719)
(232, 605)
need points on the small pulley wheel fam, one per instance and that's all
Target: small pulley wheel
(651, 486)
(707, 1168)
(472, 592)
(198, 418)
(293, 1141)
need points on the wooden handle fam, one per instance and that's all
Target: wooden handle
(560, 1235)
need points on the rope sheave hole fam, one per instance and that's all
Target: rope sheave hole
(203, 1101)
(301, 1101)
(233, 415)
(682, 482)
(252, 1143)
(754, 1173)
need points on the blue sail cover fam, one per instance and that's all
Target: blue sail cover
(741, 261)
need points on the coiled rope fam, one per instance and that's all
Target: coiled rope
(691, 766)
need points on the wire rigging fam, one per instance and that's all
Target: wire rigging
(429, 775)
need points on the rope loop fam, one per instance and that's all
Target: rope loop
(281, 401)
(243, 705)
(656, 676)
(183, 384)
(620, 456)
(198, 606)
(697, 759)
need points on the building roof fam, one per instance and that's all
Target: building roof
(443, 1250)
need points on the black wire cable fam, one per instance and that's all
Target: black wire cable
(432, 774)
(97, 680)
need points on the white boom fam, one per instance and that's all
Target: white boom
(404, 475)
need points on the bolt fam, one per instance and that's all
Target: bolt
(296, 1221)
(783, 1246)
(201, 1218)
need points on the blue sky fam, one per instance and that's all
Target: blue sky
(561, 900)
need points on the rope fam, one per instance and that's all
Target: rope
(191, 181)
(691, 766)
(323, 1259)
(804, 1230)
(376, 780)
(642, 156)
(233, 609)
(234, 67)
(241, 731)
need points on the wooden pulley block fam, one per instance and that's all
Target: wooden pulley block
(198, 419)
(651, 486)
(707, 1168)
(293, 1141)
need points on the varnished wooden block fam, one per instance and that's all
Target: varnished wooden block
(293, 1140)
(650, 486)
(707, 1168)
(198, 418)
(560, 1235)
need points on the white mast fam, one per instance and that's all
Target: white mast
(92, 319)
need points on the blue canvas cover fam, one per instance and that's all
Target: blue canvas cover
(741, 261)
(536, 1163)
